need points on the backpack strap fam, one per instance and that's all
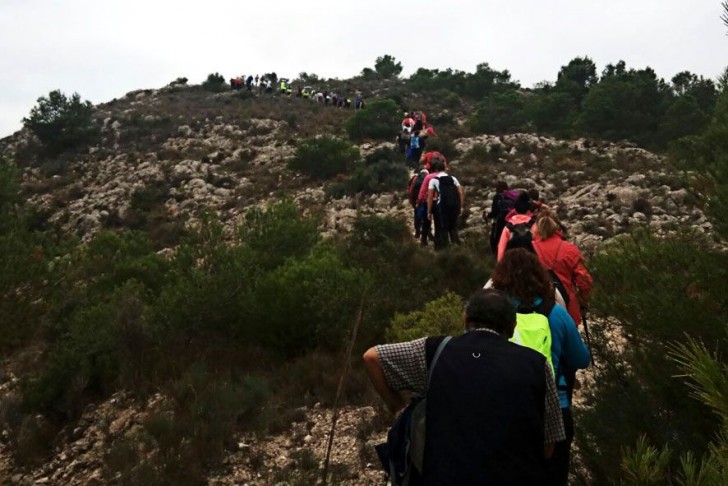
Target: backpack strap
(438, 352)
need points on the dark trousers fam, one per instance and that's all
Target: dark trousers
(446, 226)
(420, 214)
(557, 468)
(425, 223)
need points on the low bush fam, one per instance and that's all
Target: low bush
(375, 122)
(381, 176)
(660, 291)
(440, 317)
(323, 157)
(215, 82)
(501, 112)
(62, 123)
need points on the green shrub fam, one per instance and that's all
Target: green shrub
(379, 121)
(61, 123)
(661, 291)
(24, 256)
(215, 82)
(278, 233)
(306, 303)
(500, 112)
(381, 176)
(708, 380)
(323, 157)
(440, 317)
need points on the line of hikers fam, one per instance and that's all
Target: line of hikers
(497, 399)
(265, 85)
(413, 136)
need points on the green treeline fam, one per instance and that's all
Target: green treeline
(618, 103)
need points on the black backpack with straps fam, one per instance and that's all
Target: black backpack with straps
(521, 236)
(402, 456)
(449, 194)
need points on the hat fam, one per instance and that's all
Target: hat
(431, 131)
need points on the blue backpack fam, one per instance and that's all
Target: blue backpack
(402, 456)
(414, 142)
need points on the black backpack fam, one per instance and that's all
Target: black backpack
(416, 185)
(449, 194)
(403, 454)
(521, 236)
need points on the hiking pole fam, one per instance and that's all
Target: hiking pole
(588, 336)
(340, 388)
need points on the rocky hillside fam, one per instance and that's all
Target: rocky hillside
(169, 155)
(177, 152)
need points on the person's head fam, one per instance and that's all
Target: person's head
(437, 165)
(547, 224)
(534, 195)
(521, 275)
(491, 309)
(501, 186)
(523, 203)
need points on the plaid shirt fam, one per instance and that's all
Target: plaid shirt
(405, 368)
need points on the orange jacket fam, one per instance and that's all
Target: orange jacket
(565, 259)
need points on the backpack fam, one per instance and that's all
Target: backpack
(415, 186)
(449, 194)
(521, 236)
(403, 454)
(415, 142)
(533, 330)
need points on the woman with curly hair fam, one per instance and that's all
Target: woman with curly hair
(520, 274)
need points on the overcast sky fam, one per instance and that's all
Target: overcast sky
(104, 48)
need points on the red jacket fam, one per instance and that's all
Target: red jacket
(565, 259)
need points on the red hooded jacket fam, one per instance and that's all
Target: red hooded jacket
(565, 259)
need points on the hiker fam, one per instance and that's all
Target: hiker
(445, 199)
(432, 154)
(503, 203)
(565, 260)
(403, 139)
(414, 151)
(492, 410)
(548, 328)
(536, 204)
(426, 232)
(520, 226)
(420, 210)
(268, 86)
(407, 123)
(249, 83)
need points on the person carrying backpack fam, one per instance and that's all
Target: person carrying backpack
(502, 204)
(420, 211)
(445, 199)
(564, 262)
(549, 329)
(431, 155)
(490, 413)
(519, 228)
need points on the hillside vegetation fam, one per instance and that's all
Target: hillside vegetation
(182, 268)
